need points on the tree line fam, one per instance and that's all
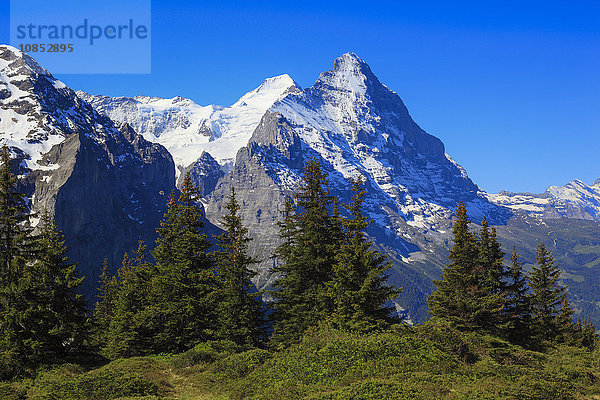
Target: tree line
(183, 292)
(478, 291)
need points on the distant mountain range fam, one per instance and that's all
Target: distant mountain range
(105, 165)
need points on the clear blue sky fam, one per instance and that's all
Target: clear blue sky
(511, 87)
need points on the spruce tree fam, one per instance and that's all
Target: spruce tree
(104, 308)
(241, 315)
(15, 238)
(357, 289)
(62, 317)
(547, 295)
(517, 320)
(491, 258)
(567, 330)
(589, 336)
(493, 276)
(182, 308)
(463, 295)
(311, 240)
(128, 334)
(19, 312)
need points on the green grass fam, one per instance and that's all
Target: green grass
(432, 361)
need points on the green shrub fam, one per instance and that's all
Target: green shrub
(204, 353)
(241, 364)
(12, 391)
(108, 382)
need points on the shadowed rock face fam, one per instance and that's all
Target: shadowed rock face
(204, 173)
(106, 186)
(103, 205)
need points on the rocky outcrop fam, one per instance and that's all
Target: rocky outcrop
(204, 173)
(187, 129)
(106, 186)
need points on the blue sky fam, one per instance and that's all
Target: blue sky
(511, 87)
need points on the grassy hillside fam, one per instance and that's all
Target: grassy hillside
(432, 361)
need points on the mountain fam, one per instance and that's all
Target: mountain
(105, 185)
(104, 167)
(187, 129)
(573, 200)
(356, 126)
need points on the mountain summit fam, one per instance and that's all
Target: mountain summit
(187, 129)
(355, 126)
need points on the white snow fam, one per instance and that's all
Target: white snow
(187, 129)
(575, 199)
(16, 128)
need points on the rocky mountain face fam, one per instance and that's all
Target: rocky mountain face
(355, 126)
(205, 172)
(106, 185)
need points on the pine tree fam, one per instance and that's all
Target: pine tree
(547, 295)
(311, 238)
(567, 331)
(517, 320)
(128, 334)
(491, 258)
(589, 336)
(19, 342)
(493, 276)
(463, 295)
(104, 309)
(241, 314)
(357, 289)
(182, 311)
(15, 238)
(62, 318)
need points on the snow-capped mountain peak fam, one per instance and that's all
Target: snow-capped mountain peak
(576, 199)
(270, 90)
(349, 74)
(357, 126)
(187, 129)
(38, 111)
(14, 63)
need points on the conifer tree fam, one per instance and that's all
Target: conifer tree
(357, 289)
(463, 294)
(16, 241)
(62, 318)
(491, 258)
(311, 240)
(517, 303)
(182, 308)
(242, 319)
(547, 295)
(18, 310)
(493, 276)
(589, 336)
(104, 308)
(128, 334)
(567, 330)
